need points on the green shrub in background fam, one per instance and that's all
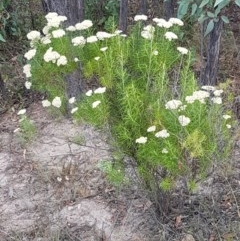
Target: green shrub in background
(147, 96)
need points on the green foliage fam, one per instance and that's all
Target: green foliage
(16, 18)
(147, 96)
(27, 129)
(205, 10)
(103, 13)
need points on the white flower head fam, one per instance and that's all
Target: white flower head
(46, 40)
(170, 36)
(140, 17)
(162, 134)
(96, 103)
(155, 52)
(103, 49)
(141, 140)
(228, 126)
(21, 112)
(33, 35)
(149, 28)
(100, 90)
(72, 100)
(162, 23)
(62, 60)
(74, 110)
(217, 93)
(118, 31)
(46, 103)
(76, 59)
(78, 41)
(190, 99)
(46, 29)
(28, 85)
(57, 102)
(217, 100)
(85, 24)
(151, 129)
(208, 88)
(27, 70)
(71, 28)
(30, 54)
(183, 120)
(92, 39)
(176, 21)
(182, 50)
(173, 104)
(89, 93)
(147, 35)
(104, 35)
(226, 117)
(58, 33)
(51, 56)
(164, 151)
(97, 58)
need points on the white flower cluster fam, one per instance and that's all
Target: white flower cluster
(104, 35)
(55, 102)
(148, 32)
(140, 18)
(28, 85)
(84, 25)
(99, 90)
(92, 39)
(34, 35)
(71, 101)
(58, 33)
(54, 57)
(30, 54)
(141, 140)
(217, 93)
(167, 24)
(199, 95)
(54, 20)
(27, 70)
(71, 28)
(173, 104)
(78, 41)
(170, 36)
(182, 50)
(162, 134)
(183, 120)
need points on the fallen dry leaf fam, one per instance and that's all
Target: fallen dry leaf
(212, 237)
(178, 221)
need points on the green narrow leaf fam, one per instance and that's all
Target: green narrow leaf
(194, 8)
(203, 3)
(182, 9)
(210, 15)
(225, 19)
(218, 2)
(237, 2)
(209, 28)
(2, 39)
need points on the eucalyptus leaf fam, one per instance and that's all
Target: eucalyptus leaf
(203, 3)
(209, 28)
(183, 8)
(2, 39)
(210, 15)
(225, 19)
(218, 2)
(194, 8)
(237, 2)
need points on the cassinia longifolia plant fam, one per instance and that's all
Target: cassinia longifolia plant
(146, 94)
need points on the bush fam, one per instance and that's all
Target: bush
(147, 96)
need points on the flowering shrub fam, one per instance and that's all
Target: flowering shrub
(147, 94)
